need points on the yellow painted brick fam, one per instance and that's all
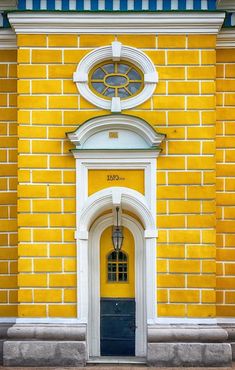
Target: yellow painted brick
(63, 102)
(229, 240)
(13, 70)
(8, 85)
(32, 102)
(24, 235)
(229, 99)
(69, 235)
(3, 70)
(201, 132)
(201, 310)
(226, 226)
(225, 311)
(8, 310)
(70, 265)
(8, 114)
(47, 176)
(47, 295)
(64, 191)
(62, 280)
(229, 213)
(46, 206)
(31, 71)
(8, 225)
(8, 198)
(171, 41)
(63, 40)
(59, 132)
(8, 170)
(47, 235)
(66, 220)
(98, 40)
(162, 295)
(8, 253)
(201, 41)
(184, 266)
(183, 57)
(24, 205)
(138, 41)
(183, 118)
(208, 147)
(205, 281)
(201, 192)
(8, 55)
(230, 297)
(69, 87)
(168, 102)
(184, 236)
(46, 87)
(201, 102)
(225, 254)
(183, 88)
(3, 211)
(3, 241)
(225, 55)
(32, 280)
(160, 89)
(157, 57)
(32, 250)
(70, 295)
(175, 178)
(69, 205)
(208, 118)
(66, 161)
(225, 113)
(23, 56)
(201, 73)
(167, 281)
(225, 170)
(183, 296)
(46, 146)
(220, 70)
(61, 71)
(32, 220)
(25, 265)
(170, 192)
(25, 295)
(225, 85)
(69, 176)
(229, 70)
(3, 268)
(32, 161)
(208, 267)
(171, 221)
(208, 57)
(184, 147)
(74, 56)
(47, 265)
(3, 100)
(219, 297)
(24, 146)
(47, 117)
(208, 296)
(31, 40)
(230, 184)
(171, 310)
(3, 297)
(32, 132)
(202, 221)
(32, 310)
(171, 73)
(208, 206)
(177, 163)
(24, 116)
(208, 87)
(62, 310)
(208, 236)
(46, 56)
(63, 250)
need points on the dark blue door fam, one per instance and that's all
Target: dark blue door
(117, 326)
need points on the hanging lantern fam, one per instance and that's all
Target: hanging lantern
(117, 234)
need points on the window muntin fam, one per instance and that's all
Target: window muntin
(117, 267)
(116, 79)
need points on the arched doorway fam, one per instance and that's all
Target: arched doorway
(98, 235)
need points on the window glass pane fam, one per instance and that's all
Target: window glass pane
(122, 93)
(110, 92)
(98, 74)
(134, 75)
(116, 80)
(123, 68)
(98, 86)
(133, 87)
(109, 68)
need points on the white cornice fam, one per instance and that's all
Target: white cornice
(8, 4)
(148, 23)
(228, 5)
(226, 39)
(7, 39)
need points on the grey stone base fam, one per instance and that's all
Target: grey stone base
(189, 354)
(44, 353)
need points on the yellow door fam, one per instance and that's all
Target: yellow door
(117, 291)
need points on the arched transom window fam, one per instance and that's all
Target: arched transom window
(117, 267)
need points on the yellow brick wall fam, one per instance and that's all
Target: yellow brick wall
(8, 184)
(225, 185)
(183, 107)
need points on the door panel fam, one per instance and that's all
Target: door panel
(117, 327)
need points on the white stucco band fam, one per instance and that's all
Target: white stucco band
(116, 51)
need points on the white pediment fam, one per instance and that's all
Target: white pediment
(117, 132)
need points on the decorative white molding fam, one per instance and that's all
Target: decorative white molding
(94, 287)
(226, 39)
(125, 53)
(133, 133)
(228, 5)
(8, 4)
(117, 23)
(7, 39)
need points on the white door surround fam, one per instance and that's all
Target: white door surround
(94, 282)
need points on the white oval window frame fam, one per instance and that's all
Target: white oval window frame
(116, 52)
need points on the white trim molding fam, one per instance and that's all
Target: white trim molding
(7, 39)
(228, 5)
(117, 23)
(116, 51)
(226, 39)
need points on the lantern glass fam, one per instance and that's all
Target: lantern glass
(117, 237)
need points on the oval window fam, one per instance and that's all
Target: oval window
(116, 79)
